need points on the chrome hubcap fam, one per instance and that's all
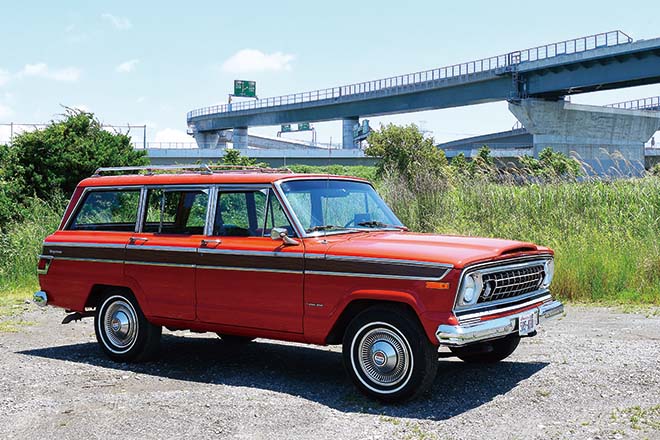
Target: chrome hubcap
(120, 324)
(383, 356)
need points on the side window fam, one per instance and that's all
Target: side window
(176, 211)
(108, 211)
(275, 216)
(240, 214)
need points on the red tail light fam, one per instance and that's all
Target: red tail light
(44, 264)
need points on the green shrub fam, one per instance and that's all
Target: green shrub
(49, 162)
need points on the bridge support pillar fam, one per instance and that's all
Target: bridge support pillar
(211, 139)
(240, 138)
(347, 125)
(607, 140)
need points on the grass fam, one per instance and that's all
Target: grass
(640, 419)
(20, 244)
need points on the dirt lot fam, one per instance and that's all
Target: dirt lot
(592, 374)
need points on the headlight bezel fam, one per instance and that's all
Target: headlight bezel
(549, 271)
(474, 283)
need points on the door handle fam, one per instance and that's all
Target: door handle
(133, 240)
(205, 243)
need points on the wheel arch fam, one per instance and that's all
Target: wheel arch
(403, 302)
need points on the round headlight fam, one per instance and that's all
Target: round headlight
(472, 286)
(468, 290)
(549, 269)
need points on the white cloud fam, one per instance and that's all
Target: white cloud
(127, 66)
(141, 99)
(121, 23)
(252, 60)
(172, 135)
(4, 77)
(67, 74)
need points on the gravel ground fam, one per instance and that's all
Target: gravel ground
(592, 374)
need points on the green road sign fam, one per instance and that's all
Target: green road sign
(246, 89)
(304, 126)
(286, 128)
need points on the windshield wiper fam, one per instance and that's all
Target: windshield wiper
(323, 228)
(377, 224)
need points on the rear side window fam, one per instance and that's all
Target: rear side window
(108, 211)
(176, 211)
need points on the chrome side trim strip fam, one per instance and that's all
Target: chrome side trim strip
(371, 275)
(85, 245)
(145, 263)
(144, 247)
(389, 261)
(250, 253)
(90, 260)
(250, 269)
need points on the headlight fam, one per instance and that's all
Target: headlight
(549, 269)
(472, 285)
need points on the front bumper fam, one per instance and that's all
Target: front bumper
(459, 335)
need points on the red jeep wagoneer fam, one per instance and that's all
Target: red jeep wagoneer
(261, 253)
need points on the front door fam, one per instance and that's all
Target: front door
(245, 278)
(161, 258)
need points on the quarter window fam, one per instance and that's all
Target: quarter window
(108, 211)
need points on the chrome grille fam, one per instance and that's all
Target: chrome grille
(510, 283)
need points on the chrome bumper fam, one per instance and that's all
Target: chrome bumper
(458, 335)
(40, 298)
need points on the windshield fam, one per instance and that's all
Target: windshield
(338, 205)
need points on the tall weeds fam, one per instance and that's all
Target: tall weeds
(20, 243)
(605, 233)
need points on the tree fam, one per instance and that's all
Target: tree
(50, 162)
(233, 157)
(405, 150)
(551, 164)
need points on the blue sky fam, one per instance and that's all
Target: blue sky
(151, 62)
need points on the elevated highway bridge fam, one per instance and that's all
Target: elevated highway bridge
(597, 62)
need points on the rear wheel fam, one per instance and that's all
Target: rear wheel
(122, 331)
(488, 352)
(387, 354)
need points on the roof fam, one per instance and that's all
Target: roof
(199, 178)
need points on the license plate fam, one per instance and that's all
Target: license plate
(527, 323)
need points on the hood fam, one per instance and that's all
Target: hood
(449, 249)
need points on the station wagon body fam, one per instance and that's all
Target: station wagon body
(309, 258)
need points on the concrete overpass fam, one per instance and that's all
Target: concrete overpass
(599, 136)
(597, 62)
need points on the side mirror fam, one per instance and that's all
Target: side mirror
(281, 234)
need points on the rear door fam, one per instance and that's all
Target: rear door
(161, 258)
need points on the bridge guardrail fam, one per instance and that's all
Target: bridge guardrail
(652, 103)
(395, 83)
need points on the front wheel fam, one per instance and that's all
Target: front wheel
(122, 331)
(387, 354)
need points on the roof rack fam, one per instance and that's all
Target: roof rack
(200, 168)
